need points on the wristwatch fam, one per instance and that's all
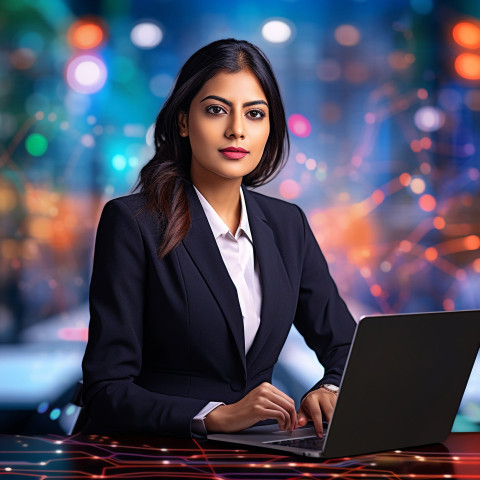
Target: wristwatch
(331, 388)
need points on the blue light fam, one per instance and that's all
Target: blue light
(54, 414)
(42, 407)
(422, 6)
(70, 410)
(119, 162)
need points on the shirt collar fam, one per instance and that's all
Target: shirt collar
(217, 225)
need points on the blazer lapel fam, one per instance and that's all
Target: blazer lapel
(274, 278)
(203, 250)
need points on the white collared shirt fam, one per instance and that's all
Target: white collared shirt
(238, 255)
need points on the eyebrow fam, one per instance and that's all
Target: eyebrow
(227, 102)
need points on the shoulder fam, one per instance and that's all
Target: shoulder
(133, 205)
(132, 202)
(129, 210)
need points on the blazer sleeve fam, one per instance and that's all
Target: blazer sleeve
(113, 357)
(322, 317)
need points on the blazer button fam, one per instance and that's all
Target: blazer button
(237, 385)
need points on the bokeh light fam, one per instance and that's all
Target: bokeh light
(422, 6)
(36, 144)
(146, 35)
(427, 202)
(429, 119)
(467, 34)
(472, 99)
(55, 414)
(289, 189)
(299, 125)
(86, 74)
(329, 70)
(467, 65)
(86, 33)
(119, 162)
(160, 84)
(23, 58)
(347, 35)
(277, 31)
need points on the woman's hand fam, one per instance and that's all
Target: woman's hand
(262, 403)
(316, 402)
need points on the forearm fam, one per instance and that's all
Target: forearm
(125, 406)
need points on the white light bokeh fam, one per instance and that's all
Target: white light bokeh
(86, 74)
(429, 119)
(146, 35)
(277, 31)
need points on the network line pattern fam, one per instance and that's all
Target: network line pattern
(100, 457)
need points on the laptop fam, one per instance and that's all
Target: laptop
(402, 385)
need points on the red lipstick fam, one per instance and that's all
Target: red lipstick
(234, 153)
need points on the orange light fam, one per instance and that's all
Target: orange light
(476, 265)
(85, 34)
(472, 242)
(426, 143)
(467, 65)
(405, 246)
(427, 202)
(415, 146)
(376, 290)
(439, 223)
(467, 34)
(448, 304)
(422, 94)
(378, 197)
(405, 179)
(431, 254)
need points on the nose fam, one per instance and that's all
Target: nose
(235, 127)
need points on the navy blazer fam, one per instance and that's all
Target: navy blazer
(166, 336)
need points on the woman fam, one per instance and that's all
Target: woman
(197, 280)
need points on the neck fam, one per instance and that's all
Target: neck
(224, 197)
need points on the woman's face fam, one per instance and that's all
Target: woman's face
(230, 111)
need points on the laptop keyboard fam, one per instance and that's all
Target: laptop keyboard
(307, 443)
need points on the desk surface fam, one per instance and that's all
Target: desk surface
(86, 457)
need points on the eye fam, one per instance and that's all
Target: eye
(256, 114)
(215, 110)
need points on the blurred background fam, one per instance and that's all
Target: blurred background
(383, 106)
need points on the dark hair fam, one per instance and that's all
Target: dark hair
(161, 179)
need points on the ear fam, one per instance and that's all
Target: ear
(183, 124)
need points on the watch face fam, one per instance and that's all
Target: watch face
(333, 388)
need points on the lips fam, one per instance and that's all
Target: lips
(234, 149)
(234, 153)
